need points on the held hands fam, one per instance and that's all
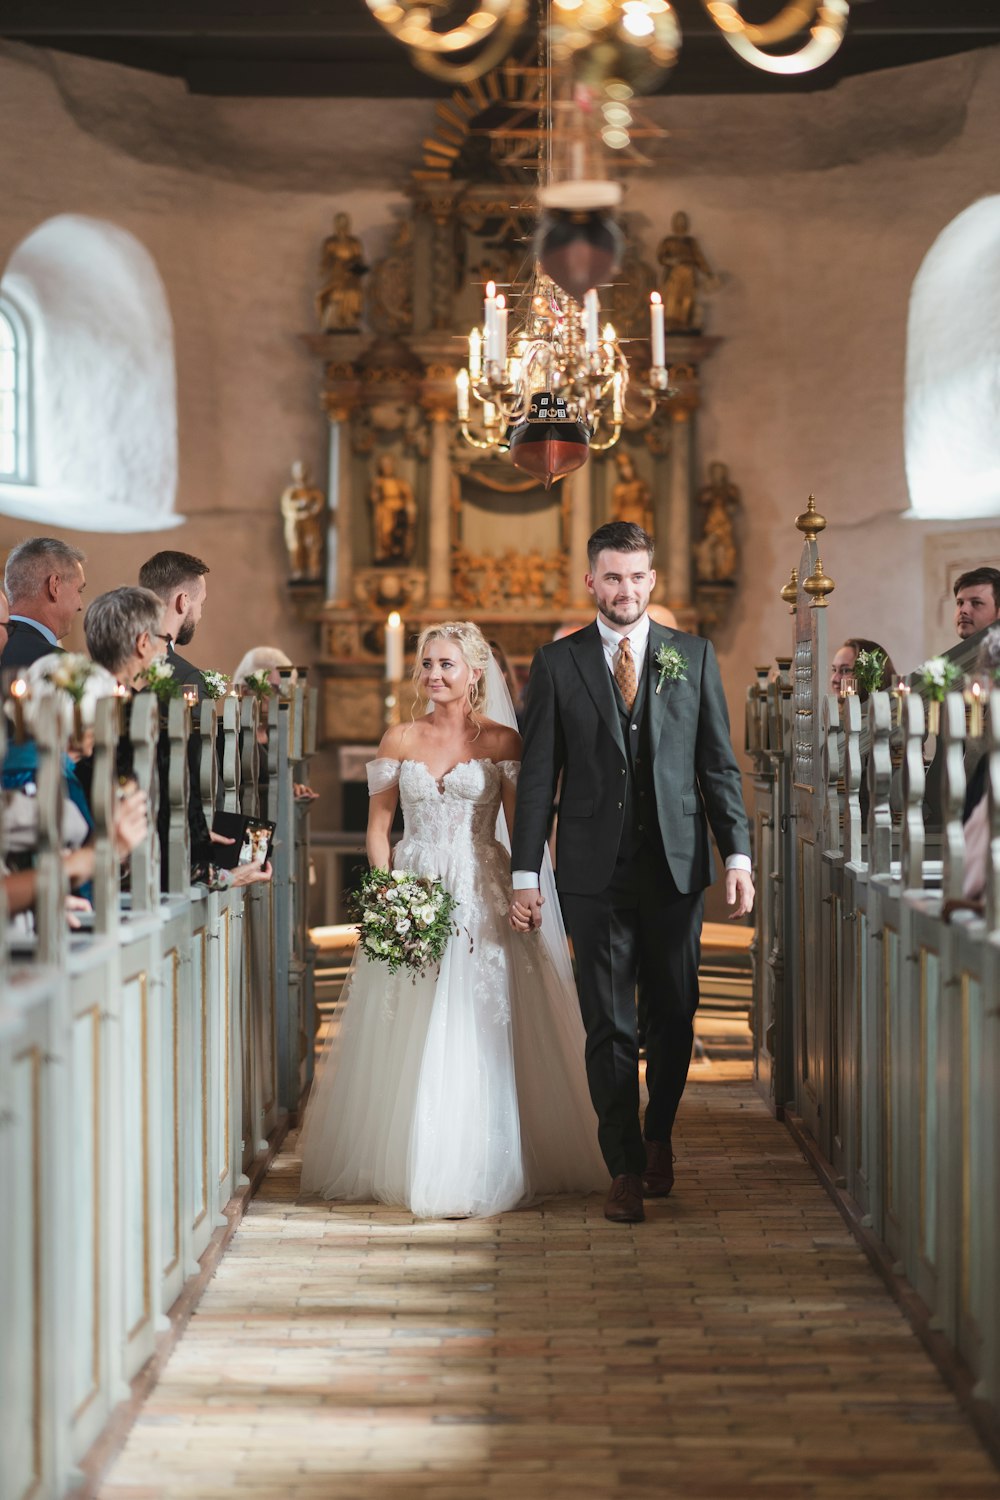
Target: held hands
(739, 893)
(525, 911)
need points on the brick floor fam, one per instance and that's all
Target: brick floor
(736, 1344)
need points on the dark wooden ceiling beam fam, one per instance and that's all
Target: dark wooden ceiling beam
(335, 48)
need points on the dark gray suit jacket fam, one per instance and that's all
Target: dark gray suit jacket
(572, 726)
(186, 672)
(24, 645)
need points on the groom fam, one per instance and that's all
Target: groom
(633, 717)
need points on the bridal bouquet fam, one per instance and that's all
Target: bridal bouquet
(405, 920)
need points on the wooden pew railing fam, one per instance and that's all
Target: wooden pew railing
(144, 1064)
(877, 1018)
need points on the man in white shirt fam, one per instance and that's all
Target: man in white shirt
(633, 717)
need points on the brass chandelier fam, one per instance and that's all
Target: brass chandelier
(486, 34)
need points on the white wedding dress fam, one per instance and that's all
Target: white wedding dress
(462, 1092)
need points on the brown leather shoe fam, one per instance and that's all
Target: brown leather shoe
(624, 1202)
(658, 1178)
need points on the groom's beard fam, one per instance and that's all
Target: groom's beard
(623, 614)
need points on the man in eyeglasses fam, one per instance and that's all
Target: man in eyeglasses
(178, 580)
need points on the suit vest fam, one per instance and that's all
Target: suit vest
(641, 825)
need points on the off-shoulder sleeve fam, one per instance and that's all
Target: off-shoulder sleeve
(382, 774)
(510, 769)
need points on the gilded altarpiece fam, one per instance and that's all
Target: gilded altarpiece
(421, 523)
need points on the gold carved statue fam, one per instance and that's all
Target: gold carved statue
(302, 509)
(716, 557)
(684, 270)
(341, 267)
(394, 515)
(631, 498)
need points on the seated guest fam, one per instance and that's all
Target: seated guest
(20, 815)
(123, 630)
(4, 620)
(842, 667)
(20, 767)
(129, 824)
(178, 581)
(44, 582)
(977, 600)
(262, 659)
(124, 633)
(269, 659)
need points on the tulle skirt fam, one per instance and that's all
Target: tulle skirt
(463, 1091)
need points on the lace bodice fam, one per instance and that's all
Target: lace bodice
(450, 824)
(455, 810)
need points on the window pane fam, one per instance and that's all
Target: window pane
(8, 369)
(8, 453)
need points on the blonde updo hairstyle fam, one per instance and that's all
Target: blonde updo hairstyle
(474, 650)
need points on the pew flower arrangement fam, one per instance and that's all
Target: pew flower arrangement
(71, 674)
(937, 677)
(159, 678)
(258, 683)
(405, 920)
(869, 670)
(216, 684)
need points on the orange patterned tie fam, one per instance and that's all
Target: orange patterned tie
(625, 672)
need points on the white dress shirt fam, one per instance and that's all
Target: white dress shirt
(638, 637)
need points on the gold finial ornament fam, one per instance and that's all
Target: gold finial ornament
(790, 592)
(810, 522)
(817, 586)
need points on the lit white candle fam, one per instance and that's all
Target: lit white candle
(490, 320)
(501, 330)
(656, 330)
(591, 320)
(617, 408)
(394, 647)
(18, 693)
(462, 395)
(475, 354)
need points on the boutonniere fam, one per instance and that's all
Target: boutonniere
(672, 665)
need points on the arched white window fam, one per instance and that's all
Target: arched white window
(102, 454)
(952, 415)
(15, 395)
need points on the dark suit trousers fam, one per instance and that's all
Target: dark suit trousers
(641, 929)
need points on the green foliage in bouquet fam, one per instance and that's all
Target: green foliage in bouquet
(869, 670)
(216, 684)
(404, 920)
(937, 677)
(159, 678)
(258, 683)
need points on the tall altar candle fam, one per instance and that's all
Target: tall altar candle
(501, 330)
(591, 319)
(659, 351)
(490, 320)
(462, 395)
(475, 354)
(394, 647)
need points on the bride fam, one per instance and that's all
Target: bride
(462, 1092)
